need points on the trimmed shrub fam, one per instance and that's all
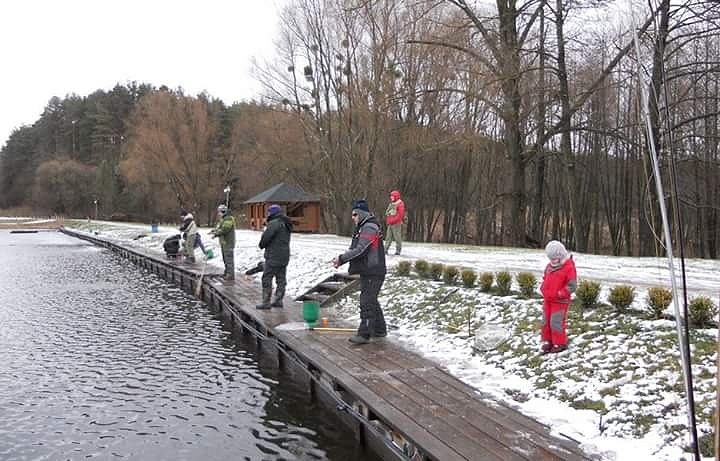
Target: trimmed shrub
(621, 297)
(422, 268)
(486, 281)
(658, 300)
(527, 283)
(702, 311)
(403, 268)
(469, 277)
(504, 282)
(588, 293)
(706, 444)
(436, 271)
(450, 275)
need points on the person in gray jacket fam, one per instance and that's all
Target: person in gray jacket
(276, 242)
(367, 258)
(189, 230)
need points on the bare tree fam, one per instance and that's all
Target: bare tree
(170, 146)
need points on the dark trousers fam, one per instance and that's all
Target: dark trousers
(279, 273)
(372, 320)
(228, 254)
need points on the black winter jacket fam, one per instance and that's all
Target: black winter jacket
(366, 254)
(276, 240)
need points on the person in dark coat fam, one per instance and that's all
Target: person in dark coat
(367, 258)
(275, 241)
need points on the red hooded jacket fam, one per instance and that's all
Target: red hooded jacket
(397, 218)
(559, 282)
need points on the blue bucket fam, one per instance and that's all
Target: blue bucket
(154, 228)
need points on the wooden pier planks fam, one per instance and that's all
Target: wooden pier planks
(428, 406)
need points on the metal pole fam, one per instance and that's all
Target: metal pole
(717, 400)
(679, 317)
(73, 136)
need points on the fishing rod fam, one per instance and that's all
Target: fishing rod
(680, 320)
(675, 180)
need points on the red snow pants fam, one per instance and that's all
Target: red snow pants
(554, 326)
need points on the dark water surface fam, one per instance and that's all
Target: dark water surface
(100, 359)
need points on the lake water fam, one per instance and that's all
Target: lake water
(102, 360)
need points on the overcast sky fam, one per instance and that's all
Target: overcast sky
(55, 48)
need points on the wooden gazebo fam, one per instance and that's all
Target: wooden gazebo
(302, 208)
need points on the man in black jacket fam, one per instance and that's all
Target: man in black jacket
(367, 258)
(276, 242)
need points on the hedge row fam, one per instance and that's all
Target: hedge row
(702, 311)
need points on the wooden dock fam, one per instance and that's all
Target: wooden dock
(399, 404)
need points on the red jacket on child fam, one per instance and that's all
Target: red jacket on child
(559, 282)
(399, 209)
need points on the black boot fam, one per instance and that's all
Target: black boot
(279, 295)
(364, 330)
(277, 303)
(265, 304)
(359, 340)
(380, 330)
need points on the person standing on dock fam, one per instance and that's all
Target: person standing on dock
(275, 241)
(367, 258)
(394, 216)
(225, 231)
(189, 230)
(559, 282)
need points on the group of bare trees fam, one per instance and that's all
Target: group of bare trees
(506, 123)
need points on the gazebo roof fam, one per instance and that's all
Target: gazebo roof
(283, 193)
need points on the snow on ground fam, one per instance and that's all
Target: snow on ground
(617, 390)
(39, 221)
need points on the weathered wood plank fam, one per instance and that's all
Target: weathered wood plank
(389, 414)
(468, 398)
(350, 364)
(493, 424)
(468, 442)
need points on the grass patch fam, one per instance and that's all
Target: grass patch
(587, 404)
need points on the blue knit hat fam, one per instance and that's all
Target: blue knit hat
(273, 210)
(361, 205)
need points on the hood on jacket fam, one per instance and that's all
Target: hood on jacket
(555, 250)
(395, 195)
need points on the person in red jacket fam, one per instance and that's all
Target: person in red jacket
(394, 216)
(559, 282)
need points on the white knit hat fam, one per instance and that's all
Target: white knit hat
(555, 249)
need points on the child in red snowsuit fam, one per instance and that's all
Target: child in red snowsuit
(559, 282)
